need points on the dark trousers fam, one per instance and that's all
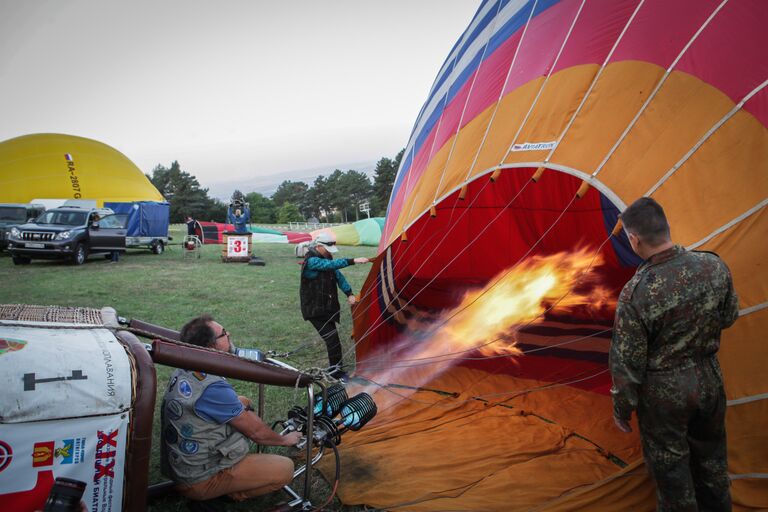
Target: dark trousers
(326, 327)
(682, 424)
(115, 256)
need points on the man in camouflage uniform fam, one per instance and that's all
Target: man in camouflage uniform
(664, 365)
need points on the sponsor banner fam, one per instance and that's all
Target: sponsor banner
(61, 373)
(534, 146)
(33, 455)
(237, 246)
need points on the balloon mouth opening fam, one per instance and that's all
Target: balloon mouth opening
(516, 270)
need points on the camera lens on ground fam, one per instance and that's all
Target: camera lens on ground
(65, 495)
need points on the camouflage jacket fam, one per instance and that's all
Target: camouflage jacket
(669, 316)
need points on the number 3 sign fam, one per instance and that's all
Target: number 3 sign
(237, 246)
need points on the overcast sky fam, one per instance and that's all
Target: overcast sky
(230, 88)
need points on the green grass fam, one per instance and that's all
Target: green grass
(259, 306)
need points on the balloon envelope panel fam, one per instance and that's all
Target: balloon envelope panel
(55, 166)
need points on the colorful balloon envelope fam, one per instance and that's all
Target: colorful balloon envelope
(485, 324)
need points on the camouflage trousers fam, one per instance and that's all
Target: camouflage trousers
(681, 413)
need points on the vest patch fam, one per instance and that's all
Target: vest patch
(174, 409)
(199, 375)
(188, 446)
(185, 389)
(187, 430)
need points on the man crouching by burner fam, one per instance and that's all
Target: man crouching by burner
(206, 428)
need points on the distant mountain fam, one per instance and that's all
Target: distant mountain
(267, 184)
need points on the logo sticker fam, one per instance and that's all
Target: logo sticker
(187, 430)
(6, 455)
(185, 389)
(534, 146)
(174, 409)
(171, 436)
(72, 451)
(106, 453)
(11, 345)
(172, 383)
(31, 381)
(42, 454)
(76, 192)
(199, 375)
(188, 446)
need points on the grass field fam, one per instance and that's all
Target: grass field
(257, 305)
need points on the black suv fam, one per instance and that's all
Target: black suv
(14, 214)
(67, 233)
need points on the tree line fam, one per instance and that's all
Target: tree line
(335, 198)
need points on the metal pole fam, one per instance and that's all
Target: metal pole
(262, 391)
(310, 434)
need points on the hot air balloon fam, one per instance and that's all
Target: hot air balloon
(362, 232)
(56, 166)
(485, 324)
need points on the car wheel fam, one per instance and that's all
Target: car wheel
(80, 254)
(21, 260)
(158, 247)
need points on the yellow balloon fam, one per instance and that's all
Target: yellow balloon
(57, 166)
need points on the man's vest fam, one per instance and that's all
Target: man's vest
(319, 296)
(194, 449)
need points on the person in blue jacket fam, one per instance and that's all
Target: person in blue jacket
(320, 278)
(239, 218)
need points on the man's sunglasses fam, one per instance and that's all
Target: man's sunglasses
(223, 333)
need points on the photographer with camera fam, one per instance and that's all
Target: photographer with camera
(239, 214)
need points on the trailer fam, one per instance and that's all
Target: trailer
(146, 223)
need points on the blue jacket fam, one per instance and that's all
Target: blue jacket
(240, 222)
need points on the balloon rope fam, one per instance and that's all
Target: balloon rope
(312, 341)
(594, 82)
(578, 110)
(509, 70)
(449, 401)
(471, 90)
(378, 323)
(380, 318)
(444, 357)
(535, 99)
(358, 312)
(583, 100)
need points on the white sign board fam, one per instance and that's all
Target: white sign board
(64, 412)
(61, 373)
(33, 455)
(237, 246)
